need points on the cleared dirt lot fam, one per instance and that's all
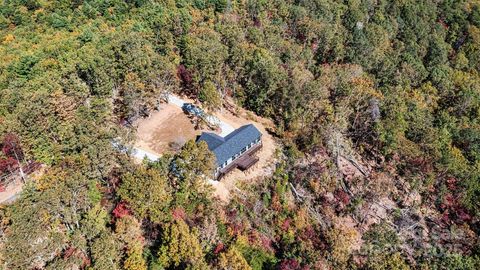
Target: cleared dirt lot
(171, 127)
(163, 128)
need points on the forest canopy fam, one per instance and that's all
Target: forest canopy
(391, 85)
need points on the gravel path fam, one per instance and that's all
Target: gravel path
(141, 154)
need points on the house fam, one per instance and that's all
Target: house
(236, 150)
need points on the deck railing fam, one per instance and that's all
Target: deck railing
(234, 164)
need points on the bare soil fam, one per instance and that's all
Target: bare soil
(264, 167)
(164, 129)
(347, 169)
(11, 190)
(15, 187)
(171, 127)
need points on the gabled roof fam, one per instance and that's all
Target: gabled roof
(233, 143)
(212, 139)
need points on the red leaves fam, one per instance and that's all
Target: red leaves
(232, 214)
(121, 210)
(256, 22)
(8, 164)
(219, 248)
(290, 264)
(452, 183)
(266, 243)
(286, 224)
(259, 239)
(443, 23)
(179, 213)
(11, 149)
(308, 234)
(463, 215)
(113, 181)
(453, 211)
(421, 164)
(11, 146)
(185, 76)
(69, 252)
(342, 197)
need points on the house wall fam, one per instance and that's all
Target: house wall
(236, 156)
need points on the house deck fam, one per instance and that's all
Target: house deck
(244, 162)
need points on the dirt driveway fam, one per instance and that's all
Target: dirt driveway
(169, 128)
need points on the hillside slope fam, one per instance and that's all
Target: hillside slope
(375, 105)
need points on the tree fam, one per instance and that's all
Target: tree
(205, 53)
(11, 147)
(147, 193)
(94, 223)
(387, 261)
(180, 247)
(232, 259)
(106, 252)
(191, 169)
(135, 260)
(341, 243)
(128, 230)
(210, 96)
(45, 239)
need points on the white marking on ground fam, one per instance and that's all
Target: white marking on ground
(213, 182)
(141, 154)
(176, 100)
(226, 129)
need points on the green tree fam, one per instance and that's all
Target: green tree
(106, 253)
(45, 239)
(210, 96)
(191, 170)
(147, 193)
(205, 53)
(387, 261)
(233, 259)
(180, 247)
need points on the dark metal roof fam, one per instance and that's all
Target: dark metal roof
(233, 143)
(212, 139)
